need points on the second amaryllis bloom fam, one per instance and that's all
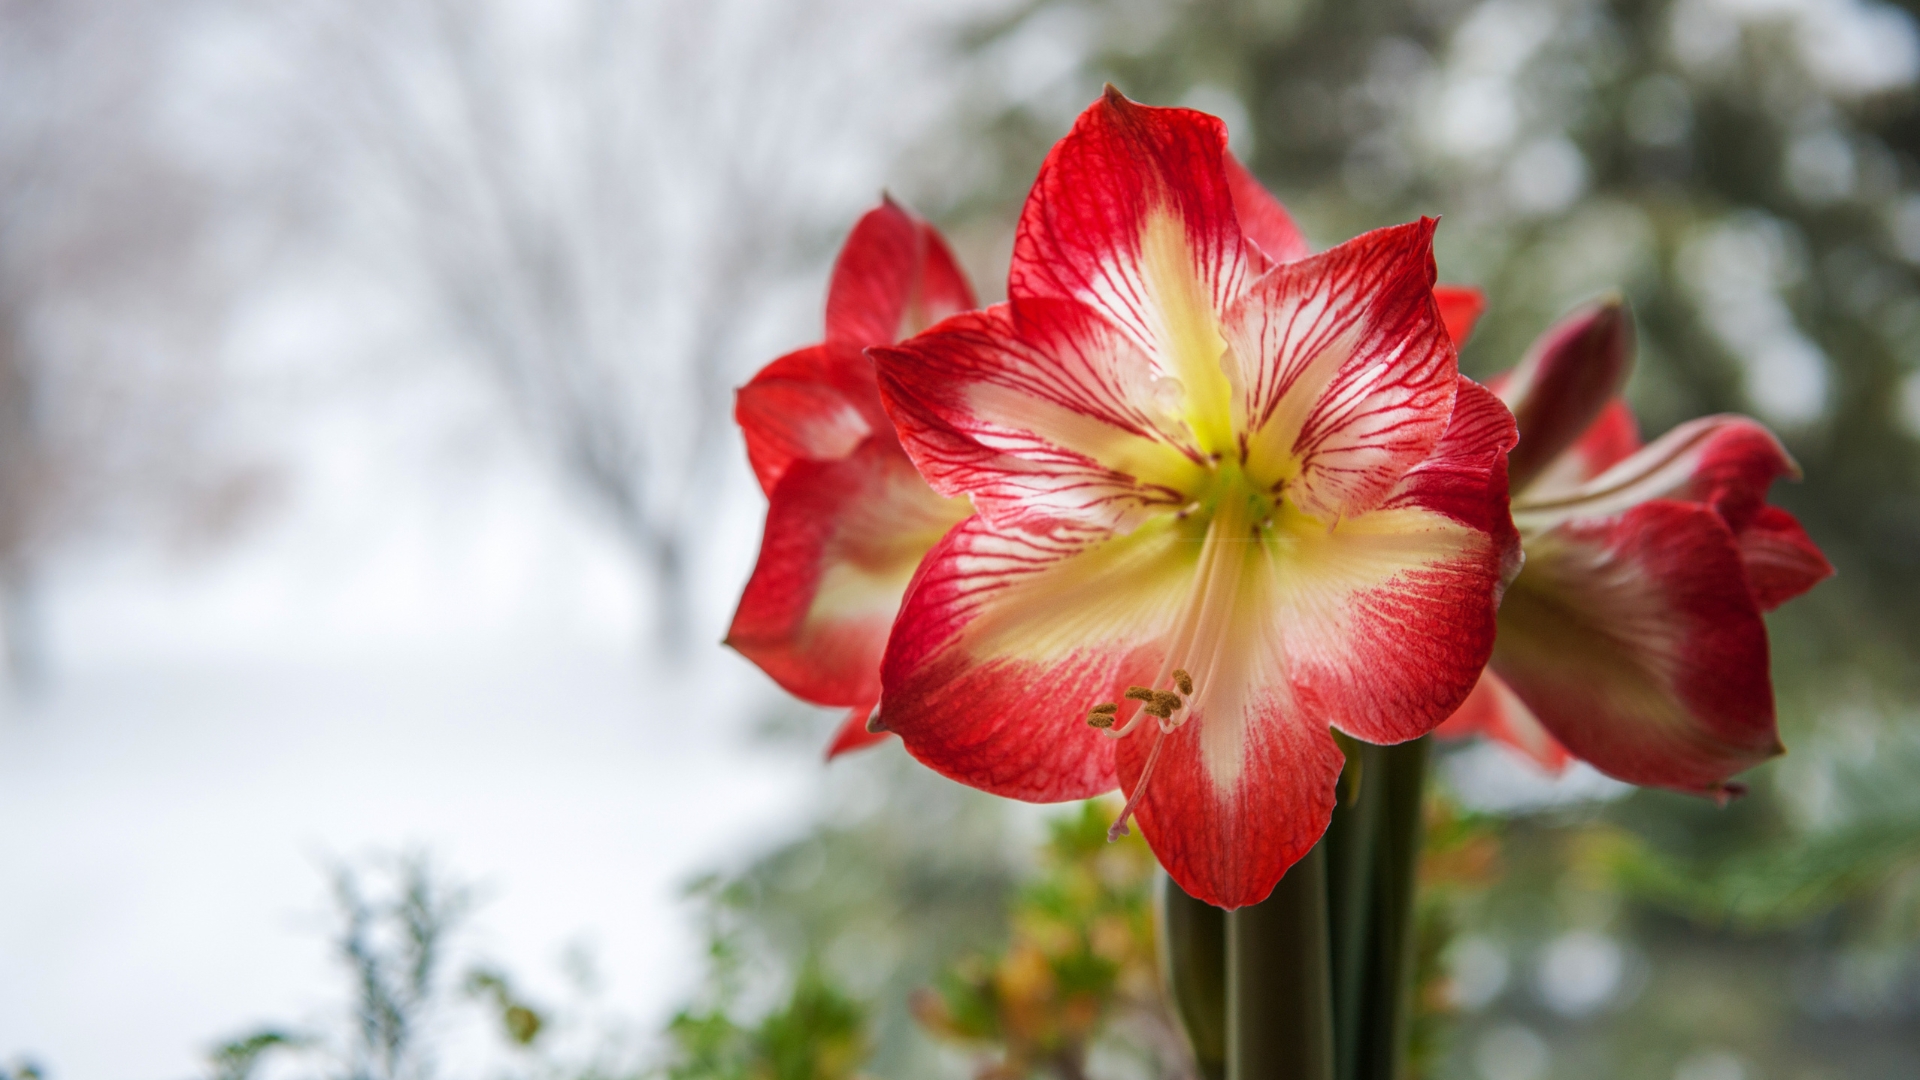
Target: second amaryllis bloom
(1224, 504)
(848, 518)
(1633, 638)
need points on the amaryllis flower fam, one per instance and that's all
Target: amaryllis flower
(1633, 639)
(848, 518)
(1225, 503)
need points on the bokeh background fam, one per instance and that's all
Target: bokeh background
(369, 512)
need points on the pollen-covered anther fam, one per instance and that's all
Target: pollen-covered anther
(1154, 702)
(1101, 715)
(1183, 680)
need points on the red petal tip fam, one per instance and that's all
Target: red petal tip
(856, 733)
(1460, 308)
(1568, 377)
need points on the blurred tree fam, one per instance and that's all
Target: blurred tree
(118, 257)
(604, 203)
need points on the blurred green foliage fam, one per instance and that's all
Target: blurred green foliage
(397, 915)
(817, 1033)
(1081, 954)
(1460, 859)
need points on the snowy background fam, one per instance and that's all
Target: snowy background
(294, 260)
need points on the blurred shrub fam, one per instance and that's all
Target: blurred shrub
(1459, 859)
(817, 1033)
(1081, 959)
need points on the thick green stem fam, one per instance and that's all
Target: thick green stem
(1351, 844)
(1194, 933)
(1398, 774)
(1373, 849)
(1279, 997)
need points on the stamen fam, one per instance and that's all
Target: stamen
(1183, 680)
(1152, 702)
(1119, 828)
(1167, 700)
(1101, 715)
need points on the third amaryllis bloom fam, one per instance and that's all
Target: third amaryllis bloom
(1225, 503)
(1633, 637)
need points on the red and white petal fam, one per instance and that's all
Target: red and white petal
(853, 733)
(1007, 639)
(1262, 217)
(1725, 461)
(1345, 375)
(842, 541)
(1637, 643)
(1460, 308)
(1566, 380)
(1231, 848)
(1495, 711)
(1043, 413)
(817, 403)
(1132, 215)
(1465, 478)
(1781, 560)
(895, 277)
(1607, 442)
(1378, 627)
(1389, 619)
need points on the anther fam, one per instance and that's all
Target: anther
(1101, 715)
(1183, 680)
(1140, 693)
(1168, 700)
